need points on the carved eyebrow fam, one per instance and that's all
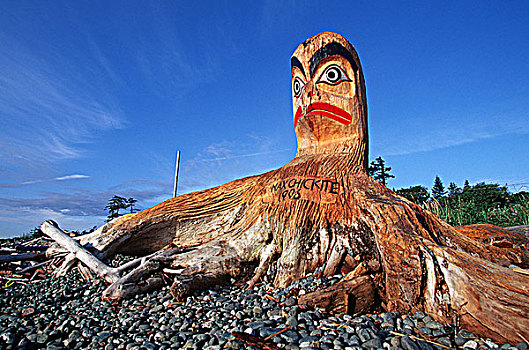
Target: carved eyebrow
(329, 50)
(294, 62)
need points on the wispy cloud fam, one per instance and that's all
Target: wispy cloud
(49, 108)
(72, 177)
(438, 135)
(60, 178)
(27, 218)
(228, 160)
(242, 155)
(77, 209)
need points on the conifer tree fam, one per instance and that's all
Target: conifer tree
(453, 189)
(438, 189)
(114, 205)
(379, 171)
(130, 204)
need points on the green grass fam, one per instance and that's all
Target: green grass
(458, 212)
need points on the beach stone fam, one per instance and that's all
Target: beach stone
(426, 331)
(8, 338)
(446, 341)
(307, 341)
(522, 346)
(42, 338)
(290, 336)
(372, 343)
(408, 322)
(149, 346)
(265, 331)
(395, 342)
(491, 344)
(471, 345)
(200, 323)
(291, 301)
(460, 341)
(408, 344)
(292, 321)
(365, 334)
(419, 315)
(353, 340)
(433, 325)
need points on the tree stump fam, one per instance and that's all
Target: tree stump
(322, 209)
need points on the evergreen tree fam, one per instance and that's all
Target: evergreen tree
(466, 186)
(130, 203)
(114, 205)
(379, 171)
(438, 189)
(453, 189)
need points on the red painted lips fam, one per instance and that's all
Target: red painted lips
(327, 110)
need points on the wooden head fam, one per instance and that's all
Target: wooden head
(329, 98)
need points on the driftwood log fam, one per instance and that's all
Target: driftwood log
(322, 209)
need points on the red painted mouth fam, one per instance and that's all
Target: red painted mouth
(327, 110)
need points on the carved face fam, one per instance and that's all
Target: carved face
(328, 96)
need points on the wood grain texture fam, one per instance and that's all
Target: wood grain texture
(322, 209)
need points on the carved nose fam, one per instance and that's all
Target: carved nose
(311, 89)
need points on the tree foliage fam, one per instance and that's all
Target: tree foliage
(453, 189)
(418, 194)
(473, 204)
(379, 171)
(116, 203)
(438, 189)
(131, 202)
(483, 203)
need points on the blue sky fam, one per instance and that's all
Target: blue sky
(97, 96)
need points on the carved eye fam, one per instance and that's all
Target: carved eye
(297, 86)
(333, 75)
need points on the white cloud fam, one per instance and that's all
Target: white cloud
(72, 177)
(48, 106)
(59, 178)
(77, 209)
(436, 134)
(224, 161)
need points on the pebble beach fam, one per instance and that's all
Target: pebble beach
(69, 313)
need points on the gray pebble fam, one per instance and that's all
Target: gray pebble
(365, 334)
(408, 344)
(291, 301)
(80, 320)
(307, 341)
(372, 343)
(522, 346)
(470, 345)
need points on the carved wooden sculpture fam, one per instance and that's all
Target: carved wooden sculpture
(322, 209)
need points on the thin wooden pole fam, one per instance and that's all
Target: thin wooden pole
(176, 173)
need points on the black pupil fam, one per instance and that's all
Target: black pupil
(296, 87)
(332, 74)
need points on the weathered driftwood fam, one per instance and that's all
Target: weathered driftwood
(127, 279)
(522, 230)
(33, 267)
(322, 209)
(31, 248)
(6, 258)
(51, 229)
(350, 296)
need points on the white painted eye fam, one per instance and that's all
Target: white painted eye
(333, 75)
(297, 86)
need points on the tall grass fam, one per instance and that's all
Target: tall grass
(459, 212)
